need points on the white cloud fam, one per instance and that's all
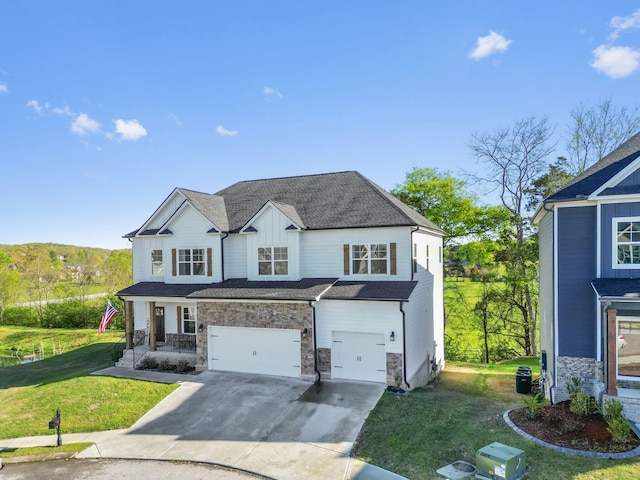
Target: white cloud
(3, 88)
(271, 92)
(129, 130)
(224, 132)
(39, 109)
(615, 62)
(488, 45)
(620, 24)
(84, 125)
(63, 111)
(175, 118)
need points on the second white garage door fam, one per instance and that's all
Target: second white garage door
(268, 351)
(359, 356)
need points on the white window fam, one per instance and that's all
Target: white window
(415, 257)
(189, 320)
(191, 261)
(427, 264)
(626, 242)
(273, 261)
(157, 267)
(628, 347)
(369, 258)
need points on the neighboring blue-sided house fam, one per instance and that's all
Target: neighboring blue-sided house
(589, 237)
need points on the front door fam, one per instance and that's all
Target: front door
(160, 324)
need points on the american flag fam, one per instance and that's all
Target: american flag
(106, 317)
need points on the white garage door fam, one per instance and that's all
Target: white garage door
(268, 351)
(359, 356)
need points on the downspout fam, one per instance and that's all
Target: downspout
(404, 346)
(222, 254)
(315, 343)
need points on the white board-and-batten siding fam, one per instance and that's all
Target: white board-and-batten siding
(358, 316)
(322, 254)
(189, 230)
(271, 225)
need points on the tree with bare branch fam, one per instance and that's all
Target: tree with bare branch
(514, 158)
(595, 131)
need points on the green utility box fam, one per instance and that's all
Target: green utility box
(500, 462)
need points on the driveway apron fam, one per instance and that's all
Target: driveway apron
(280, 427)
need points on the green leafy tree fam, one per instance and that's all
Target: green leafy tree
(9, 283)
(41, 273)
(445, 201)
(556, 177)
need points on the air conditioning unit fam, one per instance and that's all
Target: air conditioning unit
(500, 462)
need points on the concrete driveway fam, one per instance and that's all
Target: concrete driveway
(279, 427)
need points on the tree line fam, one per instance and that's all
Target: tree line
(497, 244)
(33, 275)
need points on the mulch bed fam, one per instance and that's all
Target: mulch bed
(557, 425)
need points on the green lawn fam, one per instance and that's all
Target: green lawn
(31, 393)
(449, 420)
(16, 342)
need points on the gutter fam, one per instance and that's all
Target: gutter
(404, 348)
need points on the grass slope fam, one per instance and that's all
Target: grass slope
(31, 393)
(415, 434)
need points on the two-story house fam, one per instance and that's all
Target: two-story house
(314, 276)
(589, 237)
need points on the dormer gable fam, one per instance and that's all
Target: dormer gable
(624, 183)
(210, 207)
(287, 213)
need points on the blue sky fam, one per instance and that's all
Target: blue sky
(106, 106)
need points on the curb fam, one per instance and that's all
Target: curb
(583, 453)
(42, 457)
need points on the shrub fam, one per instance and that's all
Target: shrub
(535, 404)
(618, 427)
(21, 317)
(183, 366)
(148, 363)
(581, 403)
(165, 364)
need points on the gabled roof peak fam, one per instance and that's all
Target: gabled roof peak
(600, 172)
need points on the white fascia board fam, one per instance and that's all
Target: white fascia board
(176, 191)
(617, 178)
(628, 198)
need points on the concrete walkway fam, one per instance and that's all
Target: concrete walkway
(278, 427)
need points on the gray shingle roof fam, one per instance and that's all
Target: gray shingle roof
(617, 288)
(382, 290)
(211, 206)
(307, 289)
(600, 172)
(161, 289)
(242, 289)
(315, 202)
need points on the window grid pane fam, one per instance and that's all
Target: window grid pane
(628, 242)
(191, 261)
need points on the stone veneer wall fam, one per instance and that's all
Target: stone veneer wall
(588, 370)
(139, 337)
(394, 370)
(256, 315)
(324, 362)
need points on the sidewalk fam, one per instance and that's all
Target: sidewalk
(255, 424)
